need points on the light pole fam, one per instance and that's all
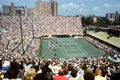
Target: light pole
(20, 12)
(32, 26)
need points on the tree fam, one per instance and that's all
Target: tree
(85, 31)
(87, 20)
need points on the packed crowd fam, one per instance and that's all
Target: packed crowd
(13, 65)
(11, 35)
(10, 32)
(112, 52)
(57, 25)
(33, 68)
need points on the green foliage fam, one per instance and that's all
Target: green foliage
(85, 31)
(101, 23)
(87, 20)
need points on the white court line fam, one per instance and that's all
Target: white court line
(71, 49)
(64, 52)
(81, 49)
(85, 53)
(78, 48)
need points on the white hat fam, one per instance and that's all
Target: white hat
(6, 64)
(55, 69)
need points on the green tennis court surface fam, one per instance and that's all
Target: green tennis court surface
(68, 48)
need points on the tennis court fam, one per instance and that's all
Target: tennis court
(68, 48)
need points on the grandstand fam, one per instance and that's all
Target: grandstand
(53, 27)
(38, 44)
(69, 46)
(39, 26)
(57, 25)
(115, 41)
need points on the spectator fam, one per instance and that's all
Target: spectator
(12, 74)
(60, 76)
(21, 71)
(74, 75)
(31, 73)
(99, 75)
(88, 75)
